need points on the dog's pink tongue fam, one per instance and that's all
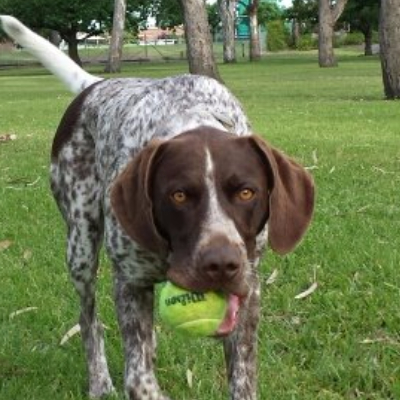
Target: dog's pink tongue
(231, 316)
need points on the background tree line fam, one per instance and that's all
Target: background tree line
(93, 18)
(306, 24)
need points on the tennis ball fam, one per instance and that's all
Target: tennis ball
(192, 313)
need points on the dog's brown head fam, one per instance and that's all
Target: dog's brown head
(204, 197)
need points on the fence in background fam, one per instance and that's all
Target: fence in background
(160, 51)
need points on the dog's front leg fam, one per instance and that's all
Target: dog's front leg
(135, 313)
(241, 349)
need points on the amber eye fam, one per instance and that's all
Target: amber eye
(246, 194)
(179, 197)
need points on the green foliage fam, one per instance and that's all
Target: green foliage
(62, 16)
(310, 41)
(72, 16)
(305, 12)
(168, 13)
(277, 36)
(307, 42)
(268, 11)
(375, 37)
(214, 18)
(353, 38)
(130, 37)
(361, 15)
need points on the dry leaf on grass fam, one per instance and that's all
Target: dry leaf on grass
(34, 182)
(384, 339)
(72, 332)
(189, 378)
(22, 182)
(5, 244)
(7, 137)
(22, 311)
(381, 170)
(27, 255)
(362, 209)
(315, 157)
(296, 321)
(272, 278)
(307, 292)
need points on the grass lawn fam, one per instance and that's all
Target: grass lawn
(342, 342)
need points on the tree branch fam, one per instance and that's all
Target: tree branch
(338, 9)
(90, 34)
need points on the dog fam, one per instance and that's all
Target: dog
(169, 175)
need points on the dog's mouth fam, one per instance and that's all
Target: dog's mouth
(231, 317)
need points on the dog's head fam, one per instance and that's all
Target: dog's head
(204, 198)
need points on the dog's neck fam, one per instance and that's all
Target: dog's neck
(194, 118)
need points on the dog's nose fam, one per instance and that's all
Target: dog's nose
(220, 264)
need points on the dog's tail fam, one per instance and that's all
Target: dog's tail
(73, 76)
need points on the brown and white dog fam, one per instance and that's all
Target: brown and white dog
(169, 175)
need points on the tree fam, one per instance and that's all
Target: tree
(363, 16)
(304, 16)
(255, 49)
(214, 19)
(66, 17)
(168, 13)
(198, 39)
(389, 38)
(227, 12)
(271, 16)
(117, 37)
(329, 12)
(269, 11)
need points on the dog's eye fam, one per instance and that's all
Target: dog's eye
(179, 197)
(245, 194)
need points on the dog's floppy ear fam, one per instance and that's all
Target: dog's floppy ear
(132, 204)
(291, 198)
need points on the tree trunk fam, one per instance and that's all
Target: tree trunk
(328, 15)
(255, 50)
(295, 33)
(326, 56)
(368, 41)
(117, 38)
(198, 39)
(72, 41)
(227, 9)
(55, 38)
(389, 38)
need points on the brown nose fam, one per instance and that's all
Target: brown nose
(220, 264)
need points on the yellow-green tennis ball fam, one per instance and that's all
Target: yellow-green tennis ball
(191, 313)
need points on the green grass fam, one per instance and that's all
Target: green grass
(342, 342)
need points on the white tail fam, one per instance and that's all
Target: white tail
(73, 76)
